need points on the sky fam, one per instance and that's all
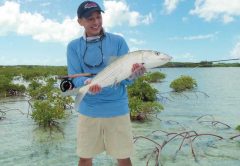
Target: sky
(36, 32)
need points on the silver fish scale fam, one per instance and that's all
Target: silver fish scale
(118, 71)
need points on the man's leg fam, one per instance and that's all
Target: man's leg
(89, 139)
(124, 162)
(85, 162)
(118, 139)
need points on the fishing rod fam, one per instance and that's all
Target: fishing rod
(210, 62)
(67, 84)
(202, 63)
(233, 59)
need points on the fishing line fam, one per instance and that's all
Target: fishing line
(202, 63)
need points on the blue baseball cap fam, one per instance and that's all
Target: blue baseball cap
(86, 8)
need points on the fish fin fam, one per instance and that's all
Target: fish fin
(72, 92)
(81, 93)
(115, 84)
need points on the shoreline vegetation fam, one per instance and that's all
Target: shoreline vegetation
(168, 65)
(41, 85)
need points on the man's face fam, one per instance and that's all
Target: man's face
(92, 24)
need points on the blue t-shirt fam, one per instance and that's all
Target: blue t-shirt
(92, 57)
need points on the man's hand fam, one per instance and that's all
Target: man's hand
(137, 70)
(93, 89)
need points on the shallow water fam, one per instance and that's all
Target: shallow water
(22, 143)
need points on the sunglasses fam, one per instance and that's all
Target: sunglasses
(100, 62)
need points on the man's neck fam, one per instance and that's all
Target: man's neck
(91, 38)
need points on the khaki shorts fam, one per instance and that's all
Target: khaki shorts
(113, 135)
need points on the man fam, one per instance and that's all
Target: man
(104, 121)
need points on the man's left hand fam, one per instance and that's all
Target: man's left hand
(137, 70)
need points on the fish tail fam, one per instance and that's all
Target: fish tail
(81, 93)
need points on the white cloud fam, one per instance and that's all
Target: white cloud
(118, 13)
(170, 5)
(196, 37)
(147, 19)
(136, 41)
(235, 53)
(35, 25)
(117, 33)
(227, 19)
(209, 10)
(45, 30)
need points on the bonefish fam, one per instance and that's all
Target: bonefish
(121, 69)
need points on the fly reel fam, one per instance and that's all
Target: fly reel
(66, 84)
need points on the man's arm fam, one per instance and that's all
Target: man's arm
(73, 63)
